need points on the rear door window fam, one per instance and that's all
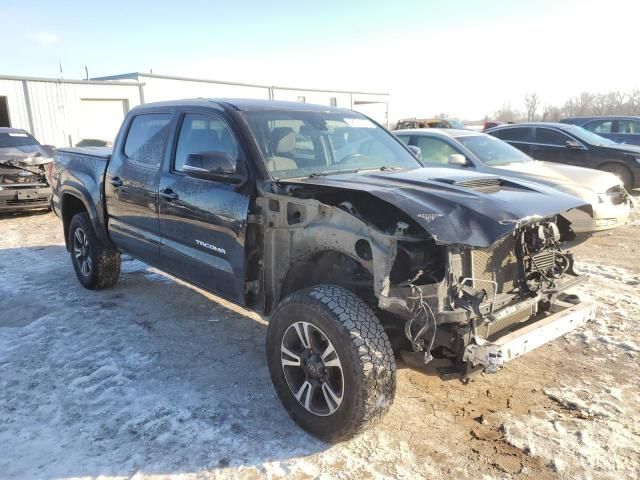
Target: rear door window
(513, 134)
(628, 126)
(146, 138)
(548, 136)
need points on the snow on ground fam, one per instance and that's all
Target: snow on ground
(155, 379)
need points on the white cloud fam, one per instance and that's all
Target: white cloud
(45, 39)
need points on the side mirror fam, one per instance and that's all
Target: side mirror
(572, 144)
(216, 165)
(458, 159)
(417, 151)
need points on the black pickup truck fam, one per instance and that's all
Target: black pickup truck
(322, 221)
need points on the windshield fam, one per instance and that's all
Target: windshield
(587, 136)
(301, 144)
(455, 123)
(491, 150)
(18, 139)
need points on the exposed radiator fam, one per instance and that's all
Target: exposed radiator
(499, 264)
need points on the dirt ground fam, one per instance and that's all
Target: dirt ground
(156, 379)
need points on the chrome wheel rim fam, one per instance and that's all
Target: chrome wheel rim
(82, 252)
(312, 368)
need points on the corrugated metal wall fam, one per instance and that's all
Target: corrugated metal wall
(53, 110)
(56, 115)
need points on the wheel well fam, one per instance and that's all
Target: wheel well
(71, 205)
(330, 267)
(621, 165)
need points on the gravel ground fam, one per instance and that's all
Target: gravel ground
(155, 379)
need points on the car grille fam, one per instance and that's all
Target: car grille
(23, 201)
(498, 264)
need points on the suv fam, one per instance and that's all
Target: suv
(619, 129)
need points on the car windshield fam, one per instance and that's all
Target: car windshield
(17, 140)
(588, 137)
(455, 123)
(302, 143)
(491, 150)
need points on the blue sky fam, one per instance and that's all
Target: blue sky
(466, 58)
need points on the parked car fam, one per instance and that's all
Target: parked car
(23, 163)
(428, 123)
(345, 253)
(573, 145)
(94, 142)
(620, 129)
(465, 149)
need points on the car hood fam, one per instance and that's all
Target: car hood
(449, 205)
(623, 148)
(19, 157)
(559, 174)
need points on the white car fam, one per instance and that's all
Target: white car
(466, 149)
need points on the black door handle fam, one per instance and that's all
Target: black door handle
(116, 182)
(168, 194)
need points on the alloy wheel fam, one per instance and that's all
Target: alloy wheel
(82, 252)
(312, 368)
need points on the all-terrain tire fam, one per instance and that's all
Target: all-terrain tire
(364, 351)
(102, 268)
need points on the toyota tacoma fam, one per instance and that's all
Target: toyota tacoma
(326, 224)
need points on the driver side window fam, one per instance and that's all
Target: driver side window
(204, 133)
(434, 150)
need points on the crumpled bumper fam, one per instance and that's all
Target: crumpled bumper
(563, 318)
(24, 198)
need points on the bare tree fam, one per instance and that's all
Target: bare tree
(507, 114)
(531, 101)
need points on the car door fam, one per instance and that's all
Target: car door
(203, 220)
(519, 137)
(131, 185)
(552, 145)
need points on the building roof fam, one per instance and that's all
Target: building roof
(137, 75)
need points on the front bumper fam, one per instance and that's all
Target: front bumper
(24, 197)
(605, 216)
(563, 318)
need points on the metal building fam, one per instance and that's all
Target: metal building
(166, 87)
(62, 112)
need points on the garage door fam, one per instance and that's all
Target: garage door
(101, 119)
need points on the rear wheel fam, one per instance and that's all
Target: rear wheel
(620, 171)
(96, 265)
(330, 361)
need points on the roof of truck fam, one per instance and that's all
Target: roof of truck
(244, 104)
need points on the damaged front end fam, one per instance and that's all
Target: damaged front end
(463, 272)
(23, 185)
(499, 302)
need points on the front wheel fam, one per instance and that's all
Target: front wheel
(96, 265)
(330, 361)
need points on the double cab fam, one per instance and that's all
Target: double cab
(329, 226)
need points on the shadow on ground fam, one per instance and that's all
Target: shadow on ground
(149, 376)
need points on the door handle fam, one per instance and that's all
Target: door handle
(169, 195)
(116, 182)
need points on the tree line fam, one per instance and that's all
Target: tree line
(585, 104)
